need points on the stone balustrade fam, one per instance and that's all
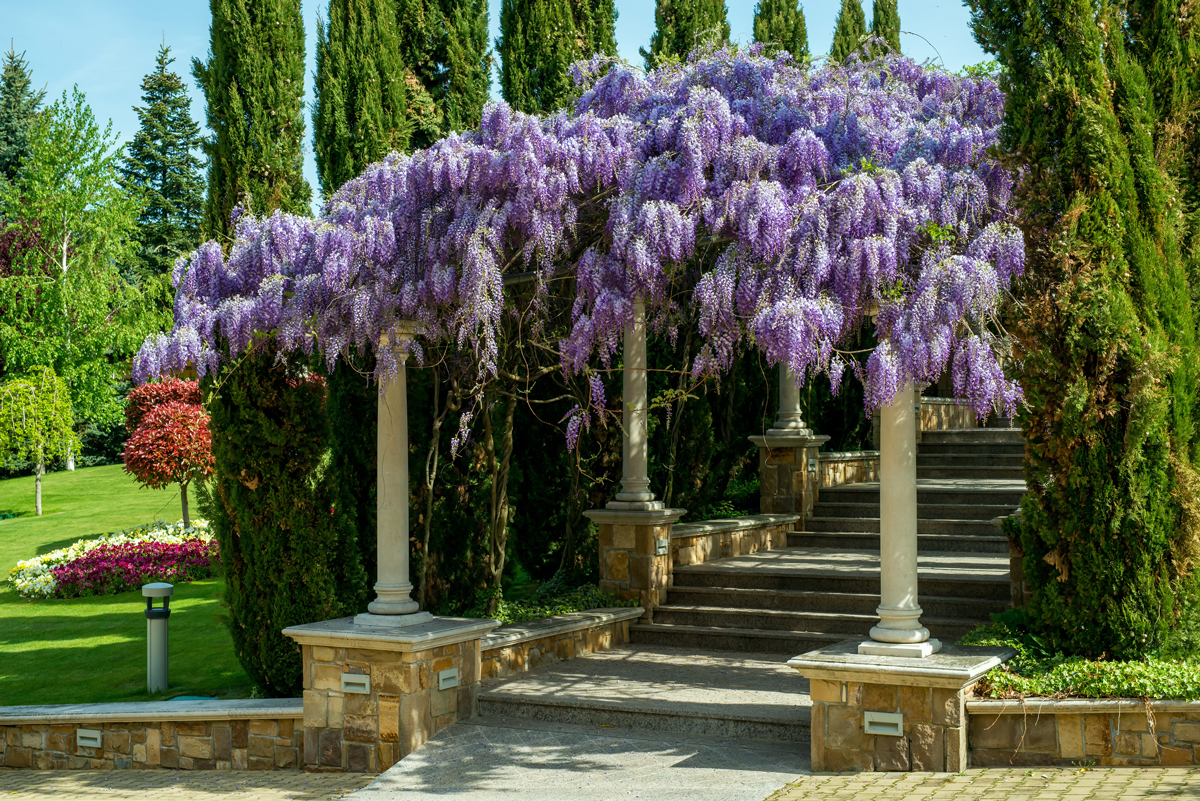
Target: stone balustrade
(248, 734)
(693, 543)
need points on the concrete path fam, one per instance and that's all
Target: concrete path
(206, 785)
(492, 758)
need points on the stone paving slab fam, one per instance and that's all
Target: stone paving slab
(1014, 784)
(490, 759)
(200, 785)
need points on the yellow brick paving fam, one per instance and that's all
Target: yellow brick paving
(200, 785)
(1017, 784)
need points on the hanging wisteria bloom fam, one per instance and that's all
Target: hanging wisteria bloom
(790, 205)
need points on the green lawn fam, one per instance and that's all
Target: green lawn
(87, 650)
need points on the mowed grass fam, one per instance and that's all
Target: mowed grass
(91, 650)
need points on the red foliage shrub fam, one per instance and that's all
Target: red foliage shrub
(146, 397)
(171, 445)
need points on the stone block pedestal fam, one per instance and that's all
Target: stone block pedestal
(635, 554)
(786, 485)
(374, 695)
(928, 694)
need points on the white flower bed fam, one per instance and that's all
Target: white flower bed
(32, 577)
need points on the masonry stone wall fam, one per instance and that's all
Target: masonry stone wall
(693, 543)
(847, 467)
(252, 744)
(1069, 732)
(941, 414)
(518, 657)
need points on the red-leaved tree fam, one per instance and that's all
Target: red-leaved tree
(148, 396)
(171, 445)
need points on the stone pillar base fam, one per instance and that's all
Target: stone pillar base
(786, 485)
(927, 694)
(373, 695)
(635, 554)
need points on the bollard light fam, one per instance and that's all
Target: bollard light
(156, 634)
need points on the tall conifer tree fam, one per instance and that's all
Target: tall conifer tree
(1099, 103)
(540, 39)
(466, 76)
(683, 25)
(18, 108)
(161, 163)
(253, 81)
(851, 27)
(885, 22)
(779, 25)
(360, 113)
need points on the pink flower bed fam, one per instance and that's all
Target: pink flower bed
(110, 569)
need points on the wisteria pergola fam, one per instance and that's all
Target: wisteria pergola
(832, 196)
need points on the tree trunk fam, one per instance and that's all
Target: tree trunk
(499, 510)
(71, 460)
(431, 468)
(187, 521)
(37, 488)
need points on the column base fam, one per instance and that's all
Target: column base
(917, 650)
(635, 506)
(392, 621)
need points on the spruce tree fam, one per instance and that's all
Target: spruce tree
(18, 108)
(161, 163)
(253, 81)
(360, 114)
(540, 39)
(851, 27)
(779, 25)
(1098, 113)
(466, 76)
(683, 25)
(885, 22)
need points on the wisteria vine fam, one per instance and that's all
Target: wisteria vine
(791, 203)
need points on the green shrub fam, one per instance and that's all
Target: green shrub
(554, 597)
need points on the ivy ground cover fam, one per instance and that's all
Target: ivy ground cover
(97, 645)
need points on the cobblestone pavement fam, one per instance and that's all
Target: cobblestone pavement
(200, 785)
(1015, 784)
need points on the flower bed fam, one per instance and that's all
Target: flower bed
(120, 561)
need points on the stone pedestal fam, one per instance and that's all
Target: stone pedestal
(923, 701)
(786, 484)
(635, 554)
(373, 695)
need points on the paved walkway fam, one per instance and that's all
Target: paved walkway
(1039, 784)
(209, 785)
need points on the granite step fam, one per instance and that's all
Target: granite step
(961, 528)
(741, 640)
(864, 540)
(651, 688)
(939, 492)
(958, 458)
(843, 624)
(960, 472)
(837, 602)
(925, 511)
(973, 436)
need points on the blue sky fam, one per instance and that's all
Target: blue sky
(107, 47)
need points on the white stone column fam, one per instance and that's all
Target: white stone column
(635, 491)
(788, 418)
(899, 632)
(393, 605)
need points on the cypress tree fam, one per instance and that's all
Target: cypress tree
(160, 162)
(466, 76)
(540, 39)
(1098, 114)
(849, 30)
(683, 25)
(885, 22)
(18, 108)
(361, 113)
(779, 25)
(253, 81)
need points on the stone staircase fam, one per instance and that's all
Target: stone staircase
(824, 587)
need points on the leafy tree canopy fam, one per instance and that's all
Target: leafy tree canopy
(779, 25)
(683, 25)
(18, 109)
(848, 31)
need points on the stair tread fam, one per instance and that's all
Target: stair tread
(785, 612)
(771, 634)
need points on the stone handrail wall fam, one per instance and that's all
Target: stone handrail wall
(519, 647)
(847, 467)
(940, 414)
(693, 543)
(1040, 732)
(187, 735)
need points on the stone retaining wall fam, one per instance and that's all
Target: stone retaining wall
(847, 467)
(693, 543)
(941, 414)
(204, 735)
(520, 647)
(1075, 731)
